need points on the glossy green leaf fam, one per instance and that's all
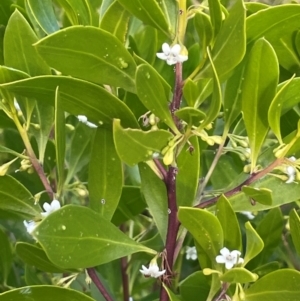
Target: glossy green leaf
(155, 194)
(19, 38)
(111, 64)
(142, 144)
(190, 115)
(15, 198)
(196, 93)
(6, 257)
(216, 100)
(131, 203)
(78, 97)
(171, 295)
(267, 268)
(205, 228)
(78, 151)
(260, 195)
(78, 12)
(105, 174)
(115, 20)
(270, 230)
(273, 287)
(230, 44)
(35, 256)
(229, 223)
(44, 15)
(149, 12)
(277, 24)
(254, 243)
(295, 229)
(232, 95)
(254, 7)
(69, 243)
(45, 293)
(195, 287)
(276, 106)
(4, 149)
(170, 11)
(156, 100)
(258, 90)
(10, 74)
(188, 164)
(215, 15)
(60, 141)
(238, 275)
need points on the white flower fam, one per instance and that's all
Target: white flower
(171, 55)
(229, 258)
(84, 120)
(17, 107)
(153, 270)
(30, 226)
(49, 208)
(291, 173)
(248, 214)
(191, 253)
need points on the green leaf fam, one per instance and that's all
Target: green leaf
(190, 115)
(78, 97)
(260, 195)
(45, 293)
(230, 44)
(105, 174)
(155, 194)
(195, 287)
(295, 229)
(171, 295)
(229, 223)
(188, 164)
(258, 90)
(115, 20)
(273, 287)
(60, 141)
(215, 15)
(277, 24)
(142, 144)
(44, 15)
(6, 257)
(16, 198)
(205, 228)
(10, 74)
(111, 64)
(19, 38)
(276, 107)
(69, 243)
(254, 243)
(149, 12)
(4, 149)
(35, 256)
(156, 100)
(238, 275)
(170, 11)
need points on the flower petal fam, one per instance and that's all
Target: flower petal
(220, 259)
(176, 49)
(166, 48)
(235, 253)
(182, 58)
(229, 265)
(55, 205)
(162, 56)
(225, 252)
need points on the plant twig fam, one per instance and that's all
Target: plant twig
(124, 265)
(92, 273)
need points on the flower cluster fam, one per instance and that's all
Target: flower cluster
(153, 270)
(171, 54)
(191, 253)
(229, 258)
(49, 208)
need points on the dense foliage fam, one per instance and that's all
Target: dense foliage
(149, 150)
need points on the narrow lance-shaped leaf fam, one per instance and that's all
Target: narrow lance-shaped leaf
(60, 141)
(258, 90)
(44, 15)
(215, 15)
(6, 256)
(295, 229)
(69, 243)
(105, 174)
(110, 64)
(156, 100)
(142, 144)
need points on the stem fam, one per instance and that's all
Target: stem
(32, 157)
(254, 177)
(222, 294)
(92, 273)
(124, 265)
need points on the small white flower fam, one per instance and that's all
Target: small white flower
(49, 208)
(17, 107)
(30, 226)
(84, 120)
(171, 55)
(153, 270)
(191, 253)
(130, 299)
(291, 173)
(248, 214)
(229, 258)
